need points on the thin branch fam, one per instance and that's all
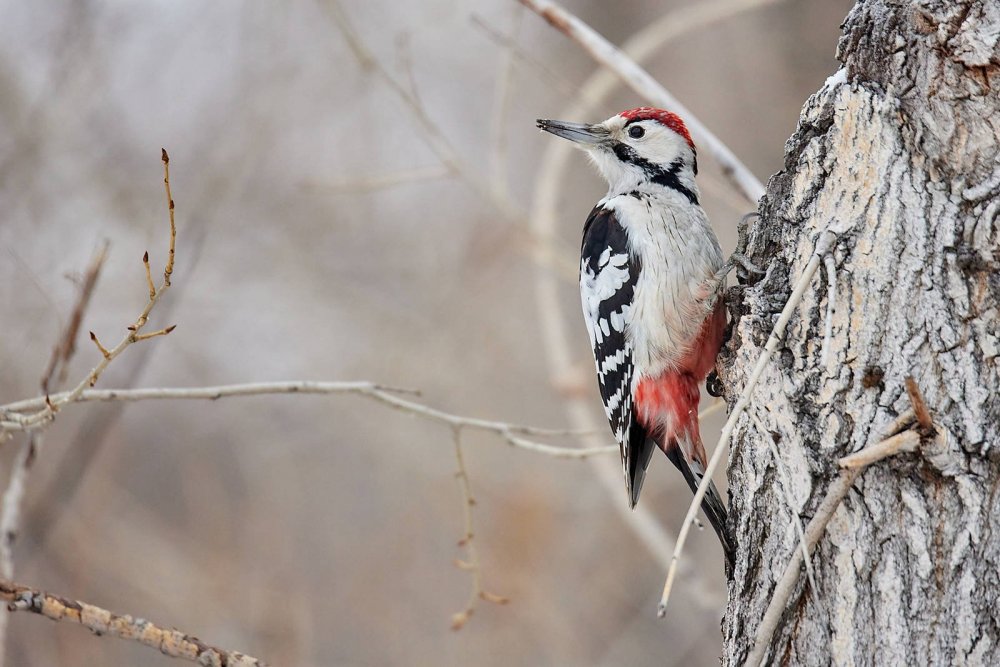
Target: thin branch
(66, 347)
(10, 520)
(10, 515)
(384, 394)
(405, 58)
(823, 246)
(168, 270)
(17, 422)
(100, 348)
(920, 411)
(172, 643)
(831, 304)
(907, 441)
(783, 590)
(154, 334)
(149, 275)
(471, 564)
(640, 81)
(814, 531)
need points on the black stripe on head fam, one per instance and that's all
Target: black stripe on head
(665, 177)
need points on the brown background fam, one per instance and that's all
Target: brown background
(321, 530)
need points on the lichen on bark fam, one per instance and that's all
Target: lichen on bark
(898, 154)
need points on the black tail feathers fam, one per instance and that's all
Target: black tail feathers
(711, 504)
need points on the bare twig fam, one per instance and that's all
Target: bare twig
(149, 275)
(100, 348)
(172, 643)
(823, 246)
(471, 564)
(907, 441)
(10, 520)
(168, 270)
(18, 422)
(10, 516)
(783, 590)
(405, 57)
(920, 410)
(814, 531)
(831, 304)
(607, 54)
(510, 432)
(154, 334)
(64, 349)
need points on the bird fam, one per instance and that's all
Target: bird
(651, 281)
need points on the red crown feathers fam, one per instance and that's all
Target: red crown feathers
(671, 120)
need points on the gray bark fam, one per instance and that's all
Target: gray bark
(898, 154)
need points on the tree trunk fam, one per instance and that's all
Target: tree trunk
(897, 154)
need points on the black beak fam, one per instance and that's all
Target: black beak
(580, 133)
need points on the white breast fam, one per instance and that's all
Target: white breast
(677, 289)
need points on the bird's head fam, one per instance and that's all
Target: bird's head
(633, 147)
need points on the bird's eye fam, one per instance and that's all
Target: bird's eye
(636, 132)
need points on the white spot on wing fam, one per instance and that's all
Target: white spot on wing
(594, 289)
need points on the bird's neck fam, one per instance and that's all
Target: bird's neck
(677, 177)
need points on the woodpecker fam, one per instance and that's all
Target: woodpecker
(651, 279)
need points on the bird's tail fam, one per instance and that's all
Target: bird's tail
(691, 466)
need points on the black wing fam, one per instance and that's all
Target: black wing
(608, 276)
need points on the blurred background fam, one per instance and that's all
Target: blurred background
(354, 185)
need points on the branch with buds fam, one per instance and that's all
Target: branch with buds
(33, 415)
(12, 421)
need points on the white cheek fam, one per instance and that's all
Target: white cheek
(610, 167)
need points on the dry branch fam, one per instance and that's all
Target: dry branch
(64, 349)
(640, 81)
(172, 643)
(510, 432)
(472, 564)
(17, 422)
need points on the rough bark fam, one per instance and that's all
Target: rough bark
(897, 153)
